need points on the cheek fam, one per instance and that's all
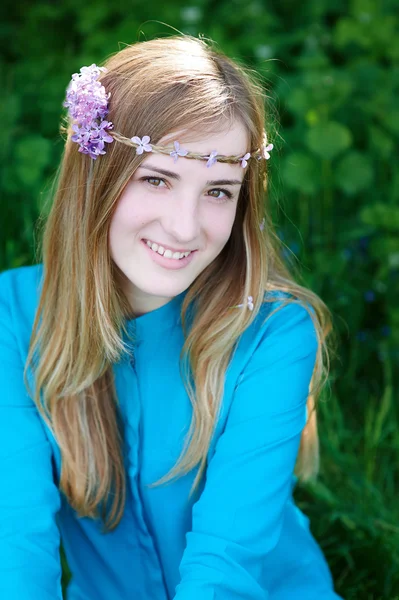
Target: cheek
(220, 226)
(127, 216)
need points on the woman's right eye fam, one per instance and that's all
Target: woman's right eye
(149, 179)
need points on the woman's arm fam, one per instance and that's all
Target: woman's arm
(238, 519)
(30, 566)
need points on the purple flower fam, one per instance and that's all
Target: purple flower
(142, 144)
(92, 139)
(82, 135)
(86, 98)
(178, 151)
(262, 225)
(369, 296)
(87, 103)
(93, 150)
(244, 159)
(212, 158)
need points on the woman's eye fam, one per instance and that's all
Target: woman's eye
(151, 179)
(227, 195)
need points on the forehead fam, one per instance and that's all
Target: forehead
(228, 142)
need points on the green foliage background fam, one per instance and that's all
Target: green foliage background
(331, 70)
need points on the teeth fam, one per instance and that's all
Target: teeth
(166, 253)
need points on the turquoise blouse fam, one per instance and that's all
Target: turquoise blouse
(239, 537)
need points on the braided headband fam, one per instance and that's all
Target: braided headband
(87, 103)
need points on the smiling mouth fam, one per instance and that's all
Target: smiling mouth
(180, 256)
(149, 244)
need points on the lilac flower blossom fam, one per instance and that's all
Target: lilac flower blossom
(178, 151)
(212, 158)
(92, 139)
(87, 103)
(142, 144)
(265, 151)
(244, 160)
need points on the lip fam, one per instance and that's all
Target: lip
(169, 263)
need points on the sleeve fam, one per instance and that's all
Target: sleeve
(238, 518)
(30, 566)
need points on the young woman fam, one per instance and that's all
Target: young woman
(160, 366)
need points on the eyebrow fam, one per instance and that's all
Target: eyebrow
(173, 175)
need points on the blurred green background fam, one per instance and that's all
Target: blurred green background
(331, 72)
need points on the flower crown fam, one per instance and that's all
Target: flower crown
(87, 103)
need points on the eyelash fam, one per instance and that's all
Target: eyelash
(229, 195)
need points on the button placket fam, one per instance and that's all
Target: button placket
(155, 584)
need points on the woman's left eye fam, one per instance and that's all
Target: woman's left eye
(228, 195)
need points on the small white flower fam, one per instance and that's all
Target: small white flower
(212, 158)
(178, 151)
(244, 160)
(142, 144)
(250, 304)
(265, 151)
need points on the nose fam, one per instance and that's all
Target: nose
(181, 221)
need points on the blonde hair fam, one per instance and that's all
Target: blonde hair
(156, 87)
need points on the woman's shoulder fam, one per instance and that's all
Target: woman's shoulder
(280, 306)
(23, 274)
(283, 323)
(19, 295)
(21, 280)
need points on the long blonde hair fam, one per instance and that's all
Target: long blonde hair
(156, 87)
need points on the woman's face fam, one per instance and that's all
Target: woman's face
(189, 208)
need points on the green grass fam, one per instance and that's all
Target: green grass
(353, 505)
